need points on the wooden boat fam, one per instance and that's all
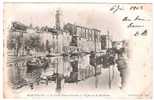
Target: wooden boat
(31, 66)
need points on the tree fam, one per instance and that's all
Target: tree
(33, 42)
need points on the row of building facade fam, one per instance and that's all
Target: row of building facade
(60, 41)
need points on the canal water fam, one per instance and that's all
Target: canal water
(75, 68)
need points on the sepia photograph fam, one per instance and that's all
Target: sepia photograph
(77, 49)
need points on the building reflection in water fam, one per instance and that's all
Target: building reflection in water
(71, 69)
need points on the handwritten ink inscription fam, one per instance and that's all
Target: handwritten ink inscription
(144, 33)
(136, 22)
(134, 8)
(116, 8)
(137, 18)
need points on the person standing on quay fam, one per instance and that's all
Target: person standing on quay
(122, 66)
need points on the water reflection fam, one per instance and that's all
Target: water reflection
(60, 70)
(72, 69)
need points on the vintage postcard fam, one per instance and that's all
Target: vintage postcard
(77, 49)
